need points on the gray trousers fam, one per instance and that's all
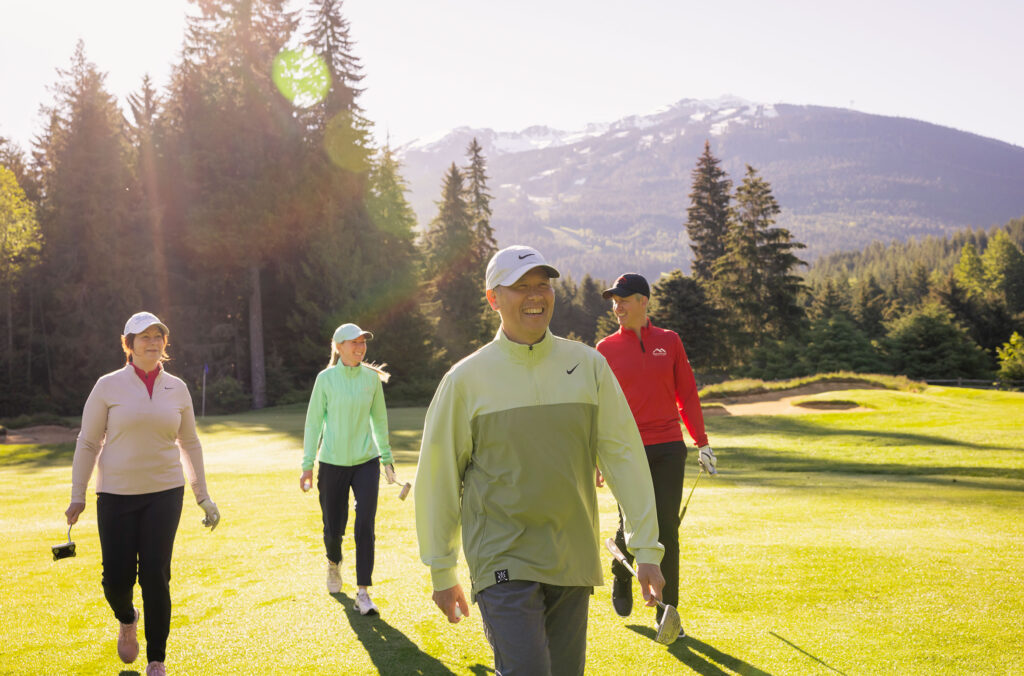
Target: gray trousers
(536, 629)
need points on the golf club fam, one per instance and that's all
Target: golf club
(687, 504)
(670, 626)
(65, 550)
(405, 488)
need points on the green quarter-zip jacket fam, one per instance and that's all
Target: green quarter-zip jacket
(510, 443)
(346, 410)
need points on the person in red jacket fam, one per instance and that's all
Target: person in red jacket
(655, 375)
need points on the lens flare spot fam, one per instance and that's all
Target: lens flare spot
(301, 76)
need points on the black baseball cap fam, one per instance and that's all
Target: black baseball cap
(627, 285)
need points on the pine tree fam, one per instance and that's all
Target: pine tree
(1003, 270)
(242, 163)
(970, 273)
(20, 243)
(338, 121)
(452, 270)
(707, 218)
(86, 219)
(682, 305)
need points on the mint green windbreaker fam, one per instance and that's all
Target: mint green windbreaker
(510, 443)
(347, 411)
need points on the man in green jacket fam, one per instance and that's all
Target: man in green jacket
(510, 443)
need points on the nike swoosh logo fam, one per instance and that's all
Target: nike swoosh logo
(569, 371)
(524, 256)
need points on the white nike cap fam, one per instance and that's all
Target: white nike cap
(511, 263)
(140, 321)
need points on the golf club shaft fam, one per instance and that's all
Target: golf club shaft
(687, 504)
(617, 553)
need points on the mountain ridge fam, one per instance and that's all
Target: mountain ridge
(613, 196)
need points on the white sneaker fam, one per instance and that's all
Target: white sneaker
(333, 578)
(364, 605)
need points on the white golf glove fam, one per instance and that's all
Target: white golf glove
(389, 473)
(212, 517)
(707, 460)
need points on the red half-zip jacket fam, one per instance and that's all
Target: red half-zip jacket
(656, 377)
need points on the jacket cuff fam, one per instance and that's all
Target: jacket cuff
(443, 578)
(652, 555)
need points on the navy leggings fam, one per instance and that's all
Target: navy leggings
(136, 538)
(333, 483)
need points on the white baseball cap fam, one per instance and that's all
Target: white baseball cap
(140, 321)
(513, 262)
(350, 332)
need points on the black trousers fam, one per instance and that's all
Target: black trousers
(333, 483)
(136, 539)
(668, 463)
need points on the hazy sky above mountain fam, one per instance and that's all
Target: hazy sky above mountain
(431, 66)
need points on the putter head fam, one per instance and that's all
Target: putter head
(63, 551)
(670, 626)
(405, 491)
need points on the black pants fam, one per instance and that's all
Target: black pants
(136, 538)
(667, 462)
(333, 483)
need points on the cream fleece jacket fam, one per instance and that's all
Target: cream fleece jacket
(136, 443)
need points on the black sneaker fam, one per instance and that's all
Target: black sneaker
(622, 595)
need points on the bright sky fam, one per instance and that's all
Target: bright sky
(438, 64)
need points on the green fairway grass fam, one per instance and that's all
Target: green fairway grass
(881, 541)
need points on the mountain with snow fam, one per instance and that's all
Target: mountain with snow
(613, 197)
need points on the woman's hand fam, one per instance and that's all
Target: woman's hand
(389, 473)
(306, 480)
(73, 511)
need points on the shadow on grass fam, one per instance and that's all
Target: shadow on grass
(796, 426)
(390, 650)
(36, 455)
(126, 672)
(767, 462)
(701, 657)
(801, 650)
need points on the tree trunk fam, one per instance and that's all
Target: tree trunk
(256, 362)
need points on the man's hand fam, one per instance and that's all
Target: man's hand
(389, 473)
(73, 511)
(452, 603)
(306, 480)
(651, 581)
(599, 481)
(707, 460)
(212, 517)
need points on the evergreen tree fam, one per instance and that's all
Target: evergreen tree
(928, 343)
(86, 220)
(241, 166)
(20, 243)
(681, 305)
(707, 217)
(1011, 362)
(1003, 269)
(339, 125)
(970, 273)
(478, 200)
(397, 311)
(869, 306)
(452, 269)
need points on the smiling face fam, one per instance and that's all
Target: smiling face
(351, 352)
(631, 311)
(147, 348)
(525, 306)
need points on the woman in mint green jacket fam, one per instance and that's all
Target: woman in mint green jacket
(348, 423)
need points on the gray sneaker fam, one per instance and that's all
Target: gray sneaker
(333, 578)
